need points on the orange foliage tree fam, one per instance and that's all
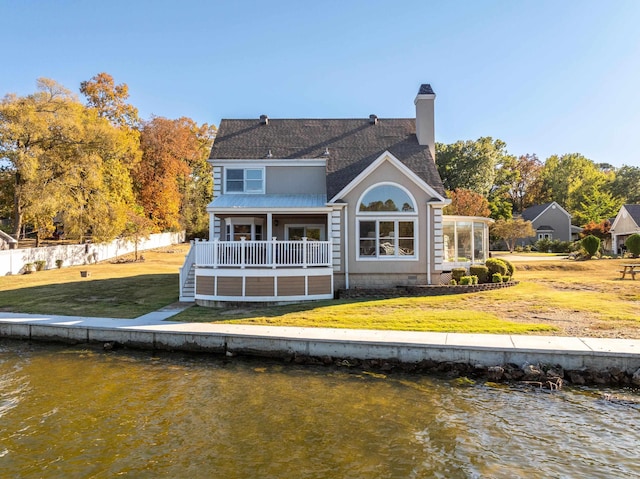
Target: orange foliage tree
(171, 151)
(467, 203)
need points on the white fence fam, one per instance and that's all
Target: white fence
(12, 261)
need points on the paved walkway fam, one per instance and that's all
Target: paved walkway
(158, 321)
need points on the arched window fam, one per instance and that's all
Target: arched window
(387, 223)
(387, 197)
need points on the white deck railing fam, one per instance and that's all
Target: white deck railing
(263, 254)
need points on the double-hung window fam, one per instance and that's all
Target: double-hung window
(244, 180)
(387, 223)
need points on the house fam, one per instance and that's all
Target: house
(550, 221)
(626, 223)
(7, 241)
(303, 207)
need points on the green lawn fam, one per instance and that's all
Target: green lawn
(590, 289)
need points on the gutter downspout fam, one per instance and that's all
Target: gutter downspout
(428, 243)
(346, 247)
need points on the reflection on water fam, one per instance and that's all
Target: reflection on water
(72, 412)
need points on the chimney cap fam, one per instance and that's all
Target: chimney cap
(373, 119)
(425, 89)
(264, 119)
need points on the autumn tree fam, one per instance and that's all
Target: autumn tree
(110, 100)
(524, 187)
(31, 133)
(137, 227)
(64, 160)
(600, 230)
(512, 230)
(173, 177)
(470, 165)
(467, 203)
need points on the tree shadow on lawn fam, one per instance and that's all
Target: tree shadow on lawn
(250, 311)
(127, 297)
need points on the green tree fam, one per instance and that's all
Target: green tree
(470, 165)
(512, 230)
(571, 180)
(597, 206)
(626, 184)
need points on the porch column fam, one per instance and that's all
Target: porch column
(269, 225)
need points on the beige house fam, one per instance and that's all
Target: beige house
(626, 223)
(303, 207)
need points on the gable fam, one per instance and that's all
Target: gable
(349, 146)
(394, 171)
(536, 212)
(627, 219)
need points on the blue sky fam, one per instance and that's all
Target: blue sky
(546, 77)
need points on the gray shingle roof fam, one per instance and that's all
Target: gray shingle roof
(532, 212)
(634, 212)
(353, 144)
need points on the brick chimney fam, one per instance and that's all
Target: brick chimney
(425, 122)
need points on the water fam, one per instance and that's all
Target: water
(72, 412)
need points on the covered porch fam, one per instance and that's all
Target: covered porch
(262, 251)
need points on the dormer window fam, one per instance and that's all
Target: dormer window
(244, 180)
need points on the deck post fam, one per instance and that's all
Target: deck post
(273, 252)
(304, 251)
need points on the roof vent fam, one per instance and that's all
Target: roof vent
(373, 119)
(264, 119)
(269, 154)
(326, 151)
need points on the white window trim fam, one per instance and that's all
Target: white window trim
(397, 257)
(244, 179)
(305, 226)
(231, 222)
(394, 216)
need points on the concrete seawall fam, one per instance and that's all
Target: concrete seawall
(478, 351)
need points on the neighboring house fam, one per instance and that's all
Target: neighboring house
(627, 222)
(550, 221)
(303, 207)
(7, 241)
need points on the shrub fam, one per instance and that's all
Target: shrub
(474, 279)
(543, 245)
(466, 280)
(496, 278)
(633, 244)
(591, 244)
(481, 272)
(453, 282)
(40, 265)
(510, 267)
(505, 279)
(59, 263)
(457, 273)
(495, 265)
(553, 246)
